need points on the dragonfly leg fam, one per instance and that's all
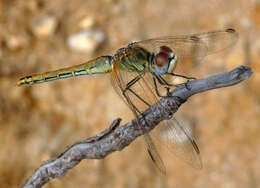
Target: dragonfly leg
(177, 85)
(182, 76)
(140, 98)
(130, 84)
(162, 81)
(187, 85)
(168, 91)
(156, 88)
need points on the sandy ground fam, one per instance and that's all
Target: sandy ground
(38, 122)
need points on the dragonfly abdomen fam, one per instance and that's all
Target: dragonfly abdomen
(97, 66)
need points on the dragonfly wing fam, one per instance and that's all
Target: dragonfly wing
(154, 154)
(180, 141)
(141, 90)
(193, 45)
(170, 133)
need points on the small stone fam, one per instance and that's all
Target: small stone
(86, 22)
(86, 40)
(44, 26)
(15, 42)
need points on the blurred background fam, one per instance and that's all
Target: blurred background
(38, 122)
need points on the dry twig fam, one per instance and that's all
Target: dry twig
(115, 139)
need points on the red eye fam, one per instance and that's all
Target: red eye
(166, 50)
(161, 59)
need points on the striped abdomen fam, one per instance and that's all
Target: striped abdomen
(99, 65)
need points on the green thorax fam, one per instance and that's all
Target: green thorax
(133, 59)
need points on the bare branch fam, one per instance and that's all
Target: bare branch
(115, 139)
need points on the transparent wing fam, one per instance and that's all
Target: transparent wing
(154, 154)
(120, 80)
(176, 138)
(193, 45)
(180, 141)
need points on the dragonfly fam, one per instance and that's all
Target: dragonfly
(140, 71)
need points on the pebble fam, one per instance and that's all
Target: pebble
(86, 40)
(86, 22)
(14, 42)
(44, 26)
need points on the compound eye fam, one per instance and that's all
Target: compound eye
(167, 51)
(161, 59)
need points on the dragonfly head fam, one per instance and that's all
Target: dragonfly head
(164, 61)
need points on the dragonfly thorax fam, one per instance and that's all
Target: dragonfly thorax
(164, 61)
